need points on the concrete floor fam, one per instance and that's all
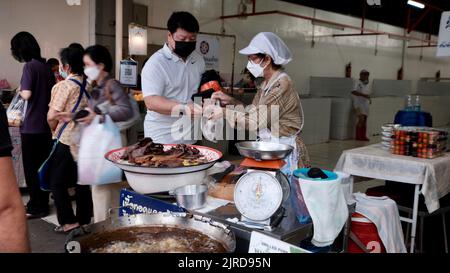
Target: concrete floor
(45, 240)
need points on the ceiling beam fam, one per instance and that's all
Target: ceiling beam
(422, 16)
(312, 19)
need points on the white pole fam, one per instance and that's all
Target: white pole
(119, 35)
(92, 18)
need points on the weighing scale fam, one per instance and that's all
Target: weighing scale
(260, 193)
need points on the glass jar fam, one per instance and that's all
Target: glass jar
(409, 105)
(417, 103)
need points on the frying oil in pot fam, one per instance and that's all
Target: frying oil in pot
(153, 240)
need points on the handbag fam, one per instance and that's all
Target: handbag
(109, 104)
(43, 172)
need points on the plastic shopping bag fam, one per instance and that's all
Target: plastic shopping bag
(16, 111)
(97, 139)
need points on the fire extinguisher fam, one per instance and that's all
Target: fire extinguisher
(348, 70)
(400, 74)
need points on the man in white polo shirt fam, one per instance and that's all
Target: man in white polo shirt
(169, 79)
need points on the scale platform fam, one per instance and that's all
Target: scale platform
(266, 164)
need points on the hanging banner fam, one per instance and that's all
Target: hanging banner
(209, 46)
(137, 41)
(443, 47)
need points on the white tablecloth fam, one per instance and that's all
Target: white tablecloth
(373, 162)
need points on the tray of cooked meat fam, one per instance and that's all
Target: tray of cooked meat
(149, 157)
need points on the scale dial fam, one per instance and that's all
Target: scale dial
(258, 195)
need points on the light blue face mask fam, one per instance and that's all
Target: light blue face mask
(63, 73)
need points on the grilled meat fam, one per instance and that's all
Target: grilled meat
(149, 154)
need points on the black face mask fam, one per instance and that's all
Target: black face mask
(184, 49)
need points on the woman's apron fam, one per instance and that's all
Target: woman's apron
(266, 136)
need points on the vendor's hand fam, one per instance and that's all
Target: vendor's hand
(87, 120)
(223, 98)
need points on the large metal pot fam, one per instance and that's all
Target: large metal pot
(92, 235)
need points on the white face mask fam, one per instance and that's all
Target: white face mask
(256, 69)
(92, 73)
(63, 73)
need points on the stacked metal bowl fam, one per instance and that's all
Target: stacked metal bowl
(387, 132)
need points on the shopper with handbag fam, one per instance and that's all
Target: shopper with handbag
(108, 99)
(68, 96)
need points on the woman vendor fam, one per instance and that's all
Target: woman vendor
(267, 54)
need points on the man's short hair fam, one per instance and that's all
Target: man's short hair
(183, 20)
(364, 72)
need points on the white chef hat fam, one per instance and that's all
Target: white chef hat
(270, 44)
(364, 71)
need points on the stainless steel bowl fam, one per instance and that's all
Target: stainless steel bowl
(259, 150)
(191, 197)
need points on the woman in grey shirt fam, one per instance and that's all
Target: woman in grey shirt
(108, 96)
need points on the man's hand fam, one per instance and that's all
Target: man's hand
(162, 105)
(190, 110)
(194, 110)
(359, 94)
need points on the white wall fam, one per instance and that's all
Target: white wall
(54, 24)
(327, 58)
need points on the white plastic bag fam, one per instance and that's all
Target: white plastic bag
(96, 140)
(17, 110)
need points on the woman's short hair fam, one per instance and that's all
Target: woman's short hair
(74, 58)
(100, 55)
(274, 66)
(77, 46)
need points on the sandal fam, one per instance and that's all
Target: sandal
(60, 230)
